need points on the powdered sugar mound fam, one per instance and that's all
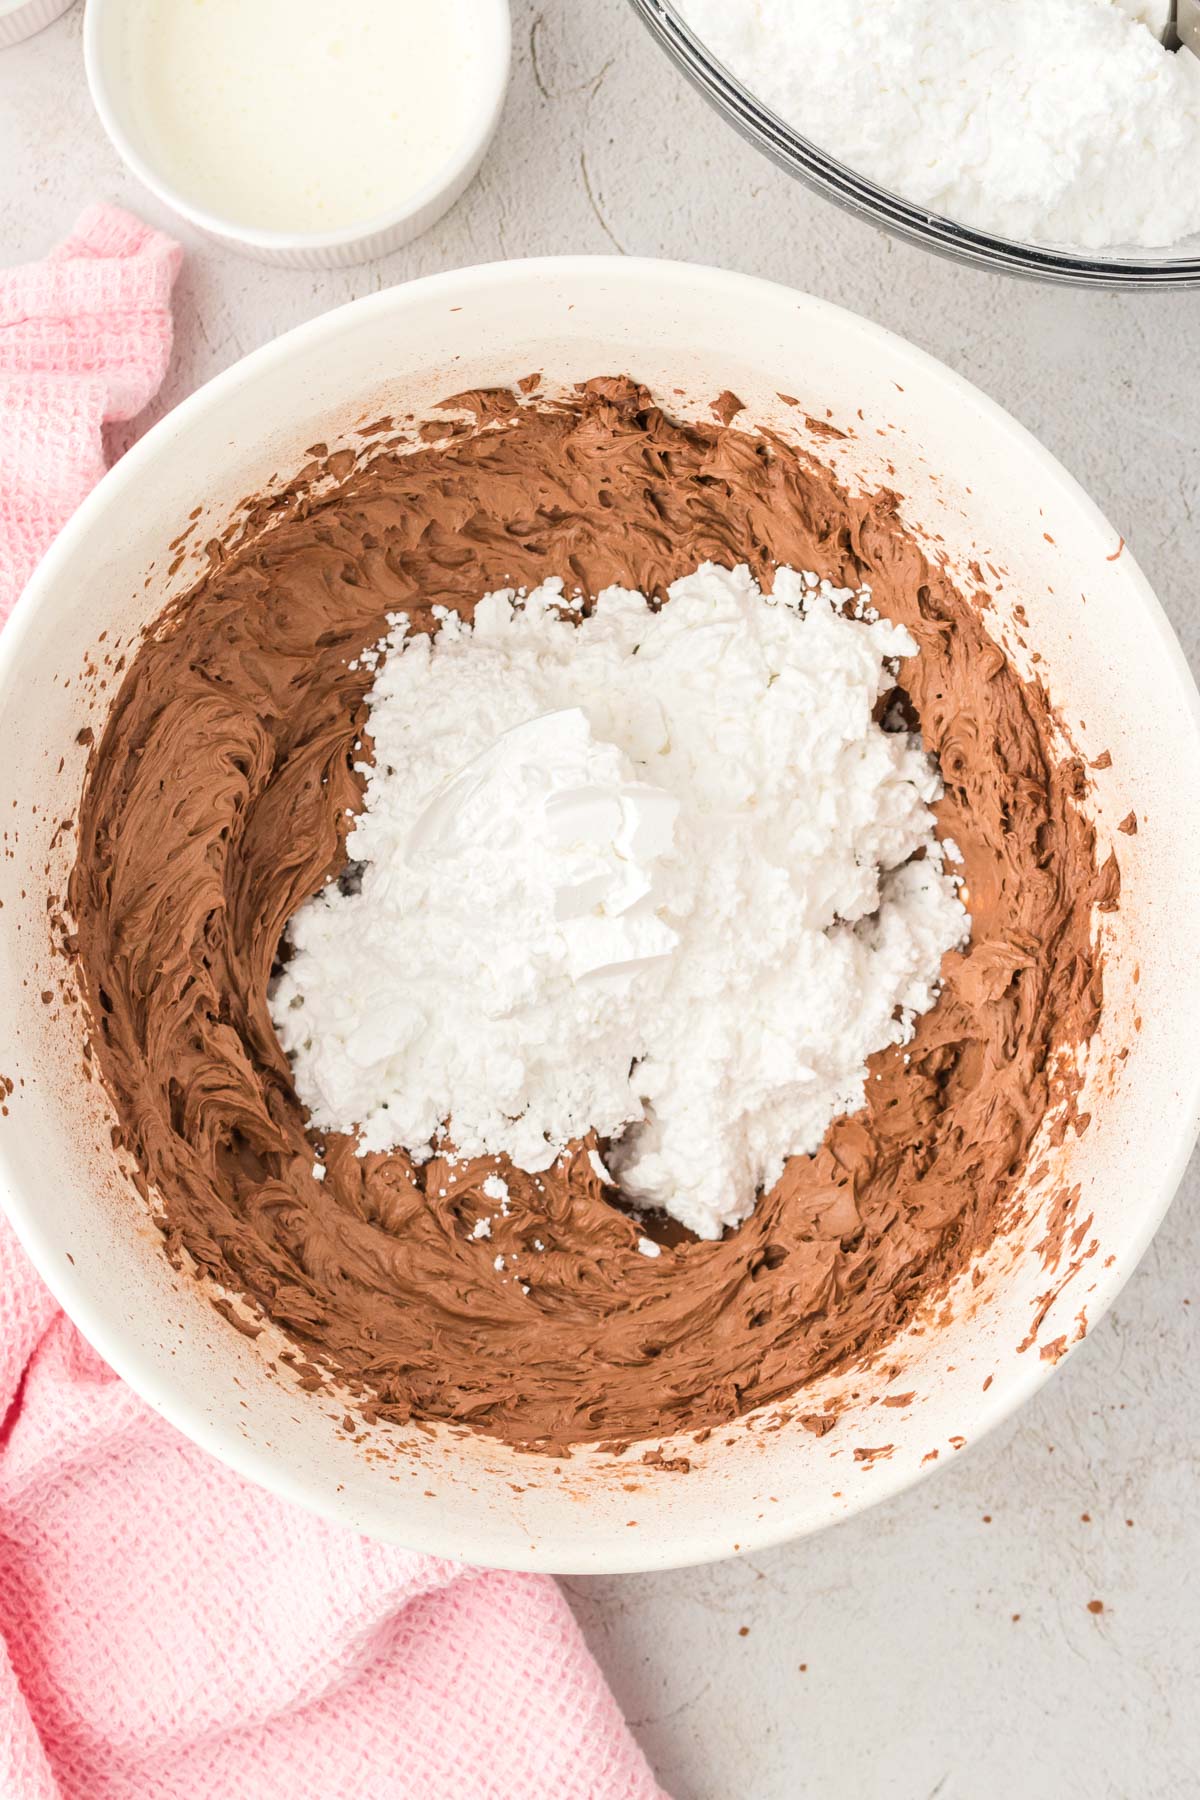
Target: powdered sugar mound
(1053, 121)
(685, 924)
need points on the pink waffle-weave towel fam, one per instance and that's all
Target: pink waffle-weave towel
(167, 1631)
(84, 341)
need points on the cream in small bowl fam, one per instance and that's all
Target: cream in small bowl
(300, 132)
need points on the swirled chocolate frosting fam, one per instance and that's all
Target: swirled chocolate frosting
(219, 799)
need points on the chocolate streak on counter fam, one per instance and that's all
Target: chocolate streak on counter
(220, 797)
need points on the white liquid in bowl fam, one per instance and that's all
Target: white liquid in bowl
(302, 116)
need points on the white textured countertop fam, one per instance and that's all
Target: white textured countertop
(940, 1645)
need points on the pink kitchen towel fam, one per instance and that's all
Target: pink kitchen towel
(84, 341)
(167, 1631)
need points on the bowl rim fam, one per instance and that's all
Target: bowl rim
(41, 13)
(461, 160)
(855, 193)
(703, 1543)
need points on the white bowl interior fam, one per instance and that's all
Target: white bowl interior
(976, 487)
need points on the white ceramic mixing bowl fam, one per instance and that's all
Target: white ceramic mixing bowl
(977, 487)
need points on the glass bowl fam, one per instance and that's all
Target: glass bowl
(1176, 266)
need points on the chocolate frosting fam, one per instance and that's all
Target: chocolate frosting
(219, 799)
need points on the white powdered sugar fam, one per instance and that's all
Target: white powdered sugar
(657, 874)
(1053, 121)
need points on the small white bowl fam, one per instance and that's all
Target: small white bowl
(19, 19)
(112, 89)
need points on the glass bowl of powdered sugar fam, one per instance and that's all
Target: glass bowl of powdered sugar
(1055, 139)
